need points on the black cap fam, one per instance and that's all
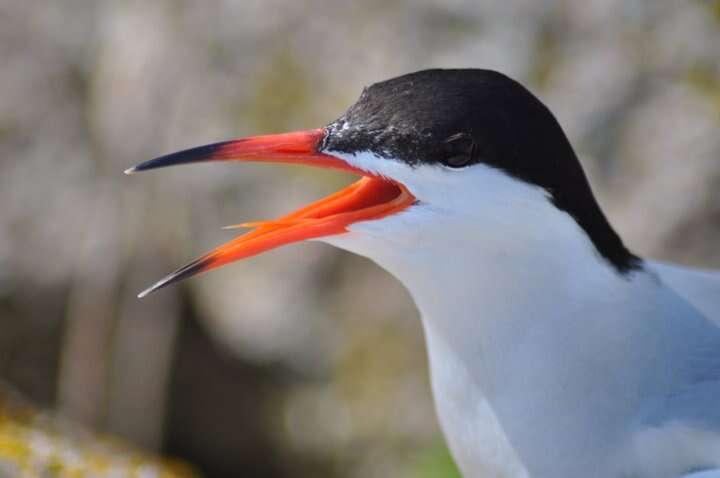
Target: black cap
(462, 117)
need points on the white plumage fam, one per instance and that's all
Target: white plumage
(589, 374)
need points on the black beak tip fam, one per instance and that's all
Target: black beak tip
(144, 166)
(192, 155)
(151, 164)
(165, 281)
(189, 270)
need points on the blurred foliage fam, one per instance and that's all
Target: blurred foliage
(706, 79)
(37, 444)
(713, 7)
(305, 362)
(437, 462)
(282, 93)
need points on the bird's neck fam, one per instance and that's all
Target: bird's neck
(510, 263)
(487, 297)
(503, 307)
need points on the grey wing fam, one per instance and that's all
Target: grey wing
(701, 288)
(682, 432)
(699, 401)
(684, 425)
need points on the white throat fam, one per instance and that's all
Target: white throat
(501, 277)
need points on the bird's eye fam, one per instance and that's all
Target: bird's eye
(458, 160)
(459, 151)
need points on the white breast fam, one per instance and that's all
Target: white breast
(474, 435)
(546, 362)
(578, 384)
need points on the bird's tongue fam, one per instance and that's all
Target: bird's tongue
(369, 198)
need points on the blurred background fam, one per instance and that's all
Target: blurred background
(305, 361)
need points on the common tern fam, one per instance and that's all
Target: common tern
(555, 352)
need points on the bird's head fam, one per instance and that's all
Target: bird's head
(439, 152)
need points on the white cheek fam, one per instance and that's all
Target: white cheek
(401, 227)
(368, 161)
(420, 180)
(478, 204)
(388, 240)
(463, 191)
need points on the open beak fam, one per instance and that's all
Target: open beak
(371, 197)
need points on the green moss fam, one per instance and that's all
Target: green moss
(39, 444)
(436, 462)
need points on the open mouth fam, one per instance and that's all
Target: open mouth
(370, 198)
